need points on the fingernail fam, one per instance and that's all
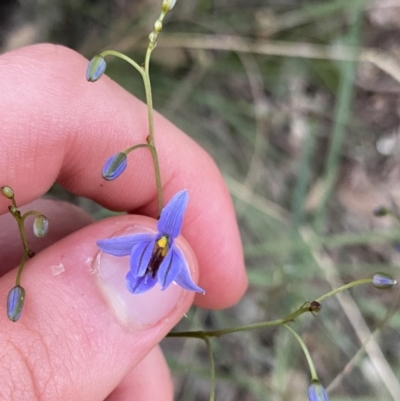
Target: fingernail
(138, 309)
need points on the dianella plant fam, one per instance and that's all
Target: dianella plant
(155, 258)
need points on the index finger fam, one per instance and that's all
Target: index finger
(55, 126)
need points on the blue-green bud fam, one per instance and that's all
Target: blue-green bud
(96, 68)
(114, 166)
(316, 392)
(383, 281)
(15, 303)
(41, 226)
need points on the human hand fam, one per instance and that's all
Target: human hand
(77, 338)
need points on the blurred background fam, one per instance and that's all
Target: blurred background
(298, 102)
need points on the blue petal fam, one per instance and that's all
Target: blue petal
(138, 285)
(171, 218)
(316, 392)
(140, 256)
(122, 246)
(114, 166)
(183, 277)
(169, 268)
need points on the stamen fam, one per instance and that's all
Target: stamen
(159, 252)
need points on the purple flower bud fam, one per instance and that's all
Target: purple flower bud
(40, 226)
(316, 392)
(114, 166)
(383, 281)
(96, 68)
(15, 303)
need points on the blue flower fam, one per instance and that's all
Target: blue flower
(154, 257)
(114, 166)
(316, 392)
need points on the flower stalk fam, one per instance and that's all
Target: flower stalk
(97, 67)
(16, 296)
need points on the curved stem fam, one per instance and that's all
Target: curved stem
(140, 145)
(306, 352)
(123, 57)
(149, 100)
(344, 287)
(30, 213)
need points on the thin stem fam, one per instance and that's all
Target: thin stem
(344, 287)
(212, 368)
(123, 57)
(149, 100)
(157, 171)
(140, 145)
(248, 327)
(20, 267)
(30, 213)
(306, 352)
(150, 140)
(21, 228)
(279, 322)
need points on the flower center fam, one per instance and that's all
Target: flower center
(160, 250)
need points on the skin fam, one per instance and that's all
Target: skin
(56, 127)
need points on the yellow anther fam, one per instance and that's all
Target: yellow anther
(162, 243)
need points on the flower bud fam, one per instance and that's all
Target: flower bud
(15, 303)
(96, 68)
(114, 166)
(383, 281)
(168, 5)
(316, 392)
(158, 26)
(7, 192)
(41, 226)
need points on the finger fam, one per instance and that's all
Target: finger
(148, 381)
(64, 128)
(81, 332)
(65, 219)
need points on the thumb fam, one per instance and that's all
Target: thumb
(81, 331)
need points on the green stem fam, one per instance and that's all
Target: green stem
(20, 267)
(248, 327)
(21, 228)
(279, 322)
(306, 353)
(150, 140)
(126, 58)
(344, 287)
(30, 213)
(149, 100)
(212, 368)
(140, 145)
